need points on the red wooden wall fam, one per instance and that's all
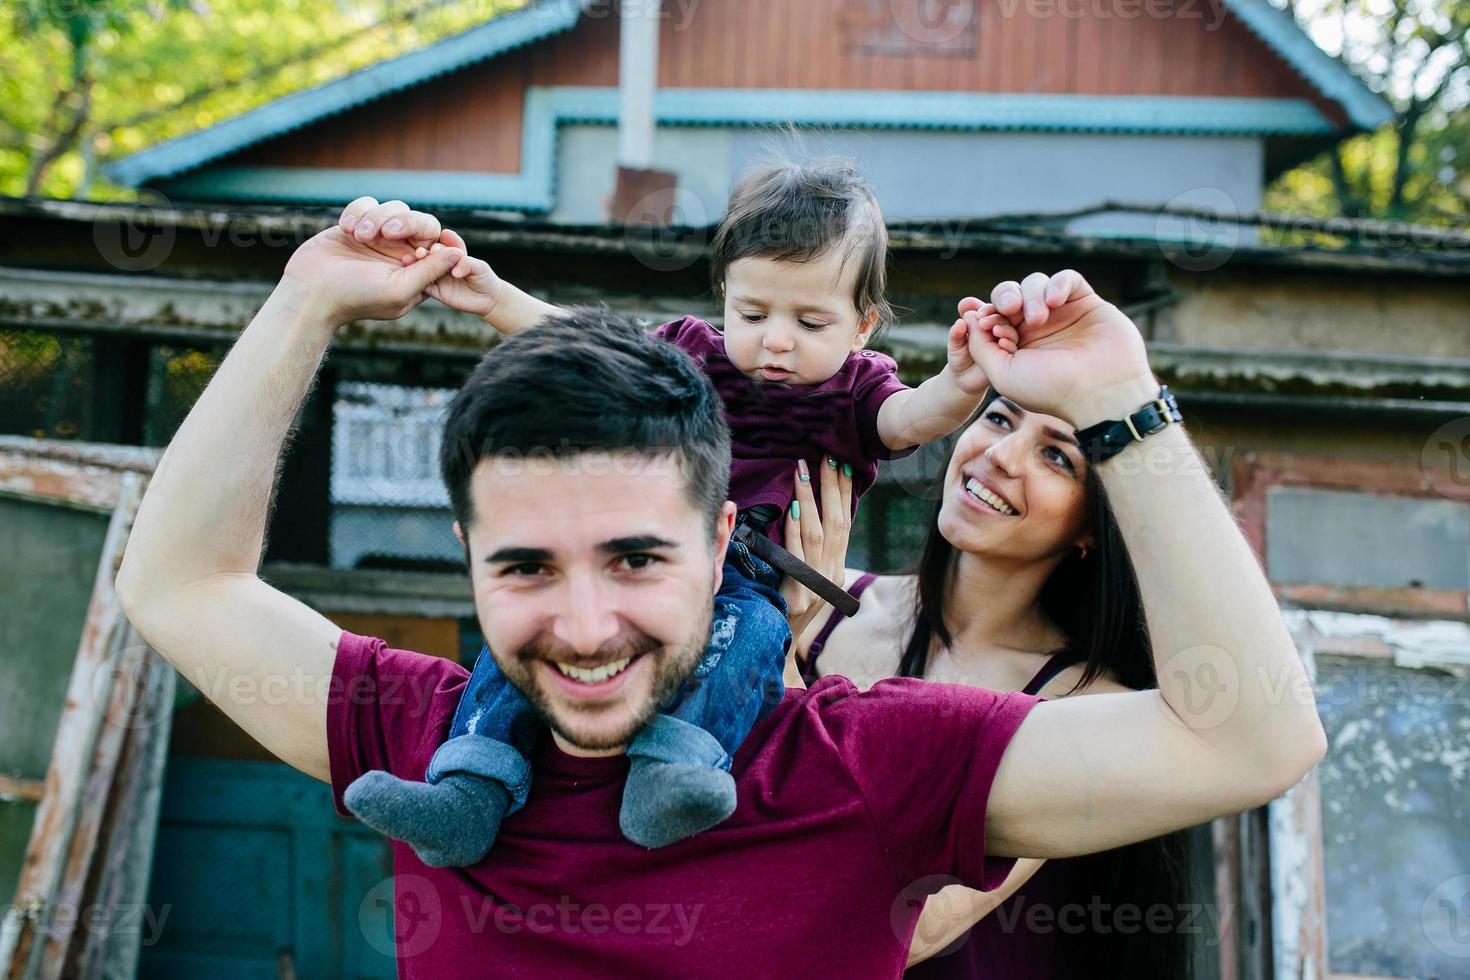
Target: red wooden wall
(471, 120)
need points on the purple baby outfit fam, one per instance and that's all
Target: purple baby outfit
(772, 425)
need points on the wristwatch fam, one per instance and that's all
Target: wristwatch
(1107, 439)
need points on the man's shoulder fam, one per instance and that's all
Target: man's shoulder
(372, 658)
(388, 709)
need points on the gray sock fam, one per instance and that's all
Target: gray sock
(665, 802)
(451, 823)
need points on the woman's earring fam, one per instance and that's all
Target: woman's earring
(1082, 556)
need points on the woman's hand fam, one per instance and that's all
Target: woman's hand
(820, 541)
(1080, 358)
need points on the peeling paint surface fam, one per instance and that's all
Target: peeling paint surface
(1395, 802)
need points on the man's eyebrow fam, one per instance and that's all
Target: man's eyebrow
(1020, 413)
(616, 546)
(635, 542)
(517, 554)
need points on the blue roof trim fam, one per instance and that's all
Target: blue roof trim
(534, 188)
(959, 110)
(1366, 108)
(335, 185)
(529, 24)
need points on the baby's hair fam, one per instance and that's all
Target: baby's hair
(797, 212)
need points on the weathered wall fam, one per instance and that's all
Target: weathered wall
(1297, 310)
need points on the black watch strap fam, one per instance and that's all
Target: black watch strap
(1107, 439)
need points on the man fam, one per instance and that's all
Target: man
(852, 806)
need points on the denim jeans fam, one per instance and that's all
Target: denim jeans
(739, 679)
(737, 682)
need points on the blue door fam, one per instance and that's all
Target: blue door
(253, 868)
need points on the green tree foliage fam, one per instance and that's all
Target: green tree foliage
(86, 81)
(1417, 52)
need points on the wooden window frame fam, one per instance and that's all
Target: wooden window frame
(1254, 474)
(104, 778)
(1292, 906)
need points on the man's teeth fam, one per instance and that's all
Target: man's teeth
(596, 674)
(980, 491)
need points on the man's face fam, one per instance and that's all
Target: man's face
(594, 578)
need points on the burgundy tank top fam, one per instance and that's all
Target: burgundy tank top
(999, 946)
(1054, 665)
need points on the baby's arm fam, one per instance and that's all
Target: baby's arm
(942, 404)
(473, 287)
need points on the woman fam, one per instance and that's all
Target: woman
(1024, 584)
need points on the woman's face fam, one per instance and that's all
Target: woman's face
(1016, 487)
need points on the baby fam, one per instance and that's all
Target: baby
(800, 261)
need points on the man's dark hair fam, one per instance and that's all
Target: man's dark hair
(587, 380)
(798, 212)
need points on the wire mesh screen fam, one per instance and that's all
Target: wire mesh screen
(177, 376)
(45, 389)
(389, 506)
(66, 386)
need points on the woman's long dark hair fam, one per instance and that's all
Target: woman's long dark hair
(1096, 603)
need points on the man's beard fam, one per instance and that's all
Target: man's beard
(671, 668)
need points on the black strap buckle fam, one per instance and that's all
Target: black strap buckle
(1105, 440)
(750, 532)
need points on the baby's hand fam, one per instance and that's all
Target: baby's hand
(979, 324)
(471, 286)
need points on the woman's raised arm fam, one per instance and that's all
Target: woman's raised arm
(1234, 721)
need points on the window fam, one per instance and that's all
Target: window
(389, 506)
(1369, 859)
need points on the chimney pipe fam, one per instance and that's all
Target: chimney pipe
(643, 195)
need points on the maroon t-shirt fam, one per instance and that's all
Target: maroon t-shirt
(852, 808)
(773, 425)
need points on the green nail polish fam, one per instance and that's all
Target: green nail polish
(846, 469)
(795, 510)
(805, 478)
(832, 464)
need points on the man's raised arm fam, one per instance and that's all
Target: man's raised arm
(1234, 721)
(188, 579)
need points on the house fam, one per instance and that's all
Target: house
(1328, 385)
(956, 109)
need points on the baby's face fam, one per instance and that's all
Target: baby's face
(792, 322)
